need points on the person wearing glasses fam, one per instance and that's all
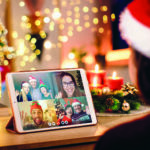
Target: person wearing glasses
(68, 87)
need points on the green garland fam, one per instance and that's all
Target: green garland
(119, 101)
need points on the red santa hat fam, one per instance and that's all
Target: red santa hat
(35, 105)
(135, 26)
(31, 78)
(76, 102)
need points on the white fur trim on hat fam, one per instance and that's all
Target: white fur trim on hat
(135, 33)
(25, 84)
(31, 79)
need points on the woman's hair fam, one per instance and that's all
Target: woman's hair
(67, 108)
(142, 64)
(76, 92)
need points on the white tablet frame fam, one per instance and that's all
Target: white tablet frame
(15, 109)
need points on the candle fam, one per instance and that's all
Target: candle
(100, 74)
(114, 82)
(95, 85)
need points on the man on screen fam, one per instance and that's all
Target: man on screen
(37, 116)
(79, 115)
(35, 91)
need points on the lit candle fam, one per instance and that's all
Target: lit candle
(114, 82)
(95, 85)
(99, 74)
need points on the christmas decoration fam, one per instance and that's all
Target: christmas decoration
(125, 106)
(36, 20)
(118, 101)
(6, 53)
(79, 54)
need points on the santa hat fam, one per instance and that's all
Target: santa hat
(35, 105)
(31, 78)
(76, 102)
(24, 83)
(135, 26)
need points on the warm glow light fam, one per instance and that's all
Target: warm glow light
(37, 22)
(76, 9)
(63, 38)
(47, 44)
(87, 24)
(85, 9)
(95, 81)
(101, 30)
(105, 19)
(37, 13)
(33, 40)
(103, 8)
(69, 63)
(56, 14)
(114, 75)
(24, 18)
(51, 26)
(47, 10)
(89, 59)
(69, 19)
(46, 19)
(20, 47)
(14, 34)
(76, 21)
(71, 56)
(117, 55)
(27, 37)
(96, 68)
(113, 17)
(95, 20)
(79, 28)
(21, 4)
(94, 9)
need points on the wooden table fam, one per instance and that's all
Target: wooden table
(66, 139)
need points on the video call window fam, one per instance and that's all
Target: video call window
(50, 99)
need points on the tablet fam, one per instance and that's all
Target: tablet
(52, 99)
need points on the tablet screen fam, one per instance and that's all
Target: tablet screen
(51, 99)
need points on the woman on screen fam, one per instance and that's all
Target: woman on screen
(68, 87)
(24, 95)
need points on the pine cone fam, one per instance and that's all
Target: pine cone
(109, 102)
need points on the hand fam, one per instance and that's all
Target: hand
(23, 116)
(17, 93)
(87, 110)
(59, 95)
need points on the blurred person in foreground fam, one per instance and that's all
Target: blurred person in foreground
(135, 29)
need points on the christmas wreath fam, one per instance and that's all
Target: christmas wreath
(118, 101)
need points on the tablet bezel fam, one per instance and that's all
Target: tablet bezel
(15, 109)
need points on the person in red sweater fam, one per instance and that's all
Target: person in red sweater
(135, 29)
(65, 116)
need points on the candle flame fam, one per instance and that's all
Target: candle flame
(96, 68)
(95, 81)
(114, 75)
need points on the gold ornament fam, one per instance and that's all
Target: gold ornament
(125, 106)
(105, 90)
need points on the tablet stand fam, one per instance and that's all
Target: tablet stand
(11, 125)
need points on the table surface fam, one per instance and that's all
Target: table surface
(82, 135)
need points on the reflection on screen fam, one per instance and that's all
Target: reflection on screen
(50, 99)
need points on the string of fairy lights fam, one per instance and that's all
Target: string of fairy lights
(72, 20)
